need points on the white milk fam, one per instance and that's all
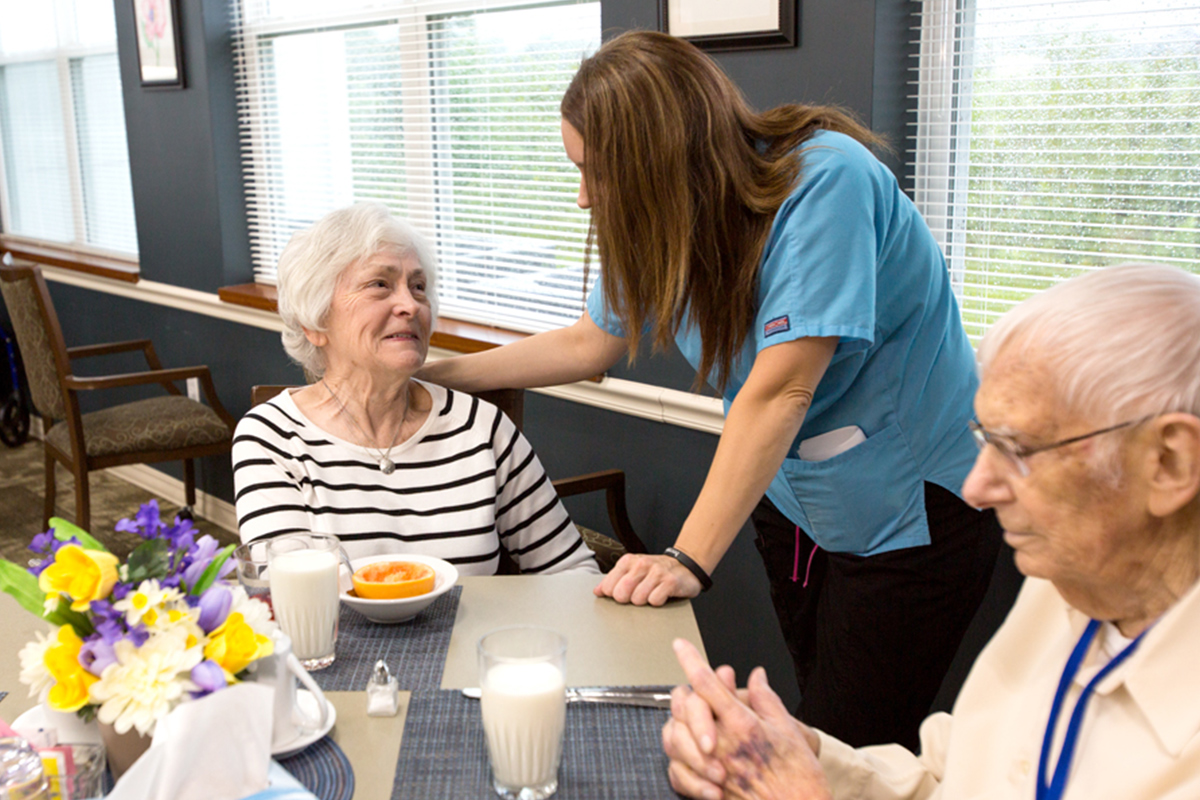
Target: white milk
(304, 593)
(524, 712)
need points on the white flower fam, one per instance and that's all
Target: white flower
(255, 612)
(147, 603)
(146, 682)
(33, 666)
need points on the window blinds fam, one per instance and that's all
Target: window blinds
(445, 111)
(1056, 137)
(64, 157)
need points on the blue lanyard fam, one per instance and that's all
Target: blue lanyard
(1053, 790)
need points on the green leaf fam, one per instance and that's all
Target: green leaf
(150, 559)
(210, 572)
(63, 615)
(23, 587)
(64, 531)
(18, 582)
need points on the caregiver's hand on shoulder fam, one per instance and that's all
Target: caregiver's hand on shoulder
(744, 741)
(642, 579)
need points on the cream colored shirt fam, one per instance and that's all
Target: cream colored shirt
(1140, 737)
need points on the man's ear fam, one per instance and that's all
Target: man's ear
(1174, 468)
(316, 338)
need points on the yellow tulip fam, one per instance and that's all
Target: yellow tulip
(234, 644)
(71, 680)
(83, 575)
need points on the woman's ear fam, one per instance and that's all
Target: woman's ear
(315, 338)
(1175, 466)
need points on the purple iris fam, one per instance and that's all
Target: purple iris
(42, 542)
(214, 607)
(121, 590)
(199, 559)
(209, 676)
(96, 654)
(146, 523)
(138, 634)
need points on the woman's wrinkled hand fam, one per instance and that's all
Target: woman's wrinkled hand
(645, 579)
(725, 743)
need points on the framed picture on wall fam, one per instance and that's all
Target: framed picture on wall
(725, 25)
(160, 54)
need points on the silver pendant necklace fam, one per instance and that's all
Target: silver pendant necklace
(386, 465)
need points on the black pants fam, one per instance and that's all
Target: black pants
(873, 636)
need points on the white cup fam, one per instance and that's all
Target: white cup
(280, 670)
(303, 574)
(523, 701)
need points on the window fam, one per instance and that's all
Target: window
(1054, 138)
(445, 111)
(64, 161)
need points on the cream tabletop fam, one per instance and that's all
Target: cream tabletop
(17, 627)
(607, 643)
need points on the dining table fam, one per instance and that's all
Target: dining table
(434, 747)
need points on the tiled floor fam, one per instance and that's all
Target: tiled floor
(21, 493)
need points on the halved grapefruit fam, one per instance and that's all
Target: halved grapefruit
(389, 580)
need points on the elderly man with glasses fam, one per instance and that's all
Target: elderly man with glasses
(1089, 431)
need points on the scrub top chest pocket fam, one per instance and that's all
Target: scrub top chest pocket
(867, 499)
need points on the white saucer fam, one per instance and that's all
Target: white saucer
(308, 703)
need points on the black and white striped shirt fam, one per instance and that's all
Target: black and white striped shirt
(466, 484)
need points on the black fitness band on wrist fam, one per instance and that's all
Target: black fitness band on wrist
(692, 566)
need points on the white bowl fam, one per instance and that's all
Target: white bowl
(401, 609)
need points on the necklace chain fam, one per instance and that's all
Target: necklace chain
(386, 465)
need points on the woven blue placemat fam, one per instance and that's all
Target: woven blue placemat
(608, 752)
(323, 769)
(415, 651)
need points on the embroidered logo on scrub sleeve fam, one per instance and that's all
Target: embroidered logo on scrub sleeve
(777, 325)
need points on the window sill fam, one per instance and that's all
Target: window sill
(455, 335)
(112, 267)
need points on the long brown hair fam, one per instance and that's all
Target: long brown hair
(684, 180)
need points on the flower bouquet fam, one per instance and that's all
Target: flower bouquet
(134, 640)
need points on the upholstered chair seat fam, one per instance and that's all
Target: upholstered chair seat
(159, 423)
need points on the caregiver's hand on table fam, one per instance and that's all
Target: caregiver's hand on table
(645, 579)
(729, 743)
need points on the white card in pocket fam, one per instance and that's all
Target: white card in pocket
(829, 444)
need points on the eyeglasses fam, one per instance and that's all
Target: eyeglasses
(1017, 453)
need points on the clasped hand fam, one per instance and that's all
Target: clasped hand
(726, 742)
(641, 579)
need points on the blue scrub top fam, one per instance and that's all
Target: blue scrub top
(849, 256)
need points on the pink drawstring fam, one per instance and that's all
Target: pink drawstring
(796, 562)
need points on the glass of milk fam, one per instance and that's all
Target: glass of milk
(303, 575)
(523, 700)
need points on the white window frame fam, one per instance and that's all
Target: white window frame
(62, 56)
(418, 111)
(940, 139)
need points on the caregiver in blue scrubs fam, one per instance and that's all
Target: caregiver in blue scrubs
(790, 269)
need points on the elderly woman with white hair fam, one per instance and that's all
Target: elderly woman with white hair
(1088, 420)
(387, 463)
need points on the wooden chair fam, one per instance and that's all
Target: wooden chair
(168, 428)
(612, 482)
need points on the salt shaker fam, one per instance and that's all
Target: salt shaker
(383, 699)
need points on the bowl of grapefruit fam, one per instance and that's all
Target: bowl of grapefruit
(397, 586)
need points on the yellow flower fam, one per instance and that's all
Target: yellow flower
(83, 575)
(72, 681)
(234, 644)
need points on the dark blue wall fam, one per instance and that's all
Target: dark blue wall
(192, 232)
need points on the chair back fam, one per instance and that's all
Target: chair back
(510, 401)
(39, 336)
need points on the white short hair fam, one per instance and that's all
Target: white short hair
(1123, 342)
(315, 258)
